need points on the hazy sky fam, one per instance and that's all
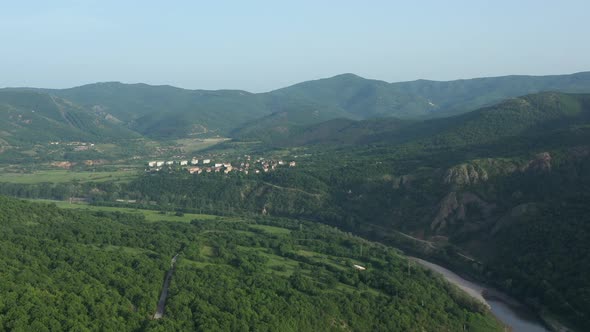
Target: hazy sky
(263, 45)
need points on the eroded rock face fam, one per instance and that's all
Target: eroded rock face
(541, 163)
(453, 209)
(466, 174)
(478, 171)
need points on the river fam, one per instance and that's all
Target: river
(507, 310)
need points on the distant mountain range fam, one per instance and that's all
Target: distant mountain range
(129, 110)
(529, 115)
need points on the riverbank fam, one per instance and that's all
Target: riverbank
(506, 309)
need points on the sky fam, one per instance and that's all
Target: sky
(260, 45)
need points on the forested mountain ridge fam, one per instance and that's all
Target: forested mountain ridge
(29, 116)
(523, 116)
(170, 112)
(373, 98)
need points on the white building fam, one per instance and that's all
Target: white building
(206, 161)
(183, 162)
(358, 267)
(170, 163)
(159, 163)
(152, 164)
(194, 170)
(218, 165)
(195, 161)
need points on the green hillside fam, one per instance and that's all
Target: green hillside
(169, 112)
(29, 117)
(358, 96)
(165, 111)
(77, 270)
(524, 117)
(422, 98)
(290, 117)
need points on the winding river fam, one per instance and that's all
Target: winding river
(507, 310)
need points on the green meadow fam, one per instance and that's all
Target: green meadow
(150, 215)
(61, 176)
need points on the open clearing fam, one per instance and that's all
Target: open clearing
(150, 215)
(197, 144)
(61, 176)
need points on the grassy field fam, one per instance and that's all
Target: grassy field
(60, 176)
(272, 229)
(196, 144)
(150, 215)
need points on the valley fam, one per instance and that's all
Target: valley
(270, 201)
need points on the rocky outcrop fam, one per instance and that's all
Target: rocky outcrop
(481, 170)
(466, 174)
(541, 163)
(453, 209)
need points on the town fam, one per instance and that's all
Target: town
(196, 166)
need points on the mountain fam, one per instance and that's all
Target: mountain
(170, 112)
(464, 95)
(29, 117)
(422, 98)
(358, 96)
(525, 116)
(166, 111)
(290, 116)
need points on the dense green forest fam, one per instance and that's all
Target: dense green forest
(75, 270)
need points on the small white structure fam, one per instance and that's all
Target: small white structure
(183, 162)
(226, 165)
(292, 164)
(281, 162)
(152, 164)
(218, 164)
(358, 267)
(195, 161)
(159, 163)
(169, 163)
(207, 161)
(194, 170)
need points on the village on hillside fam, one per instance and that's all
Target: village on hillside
(245, 165)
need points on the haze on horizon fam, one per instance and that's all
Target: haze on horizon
(264, 45)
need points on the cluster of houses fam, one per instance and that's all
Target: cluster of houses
(196, 166)
(78, 146)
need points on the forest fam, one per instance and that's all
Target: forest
(77, 270)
